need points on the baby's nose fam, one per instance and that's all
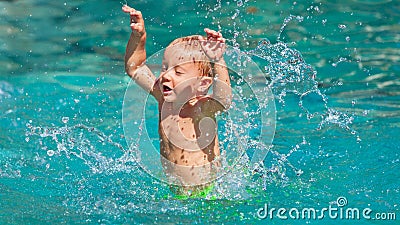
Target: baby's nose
(166, 75)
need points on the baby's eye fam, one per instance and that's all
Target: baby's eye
(178, 72)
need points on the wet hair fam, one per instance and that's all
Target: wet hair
(192, 52)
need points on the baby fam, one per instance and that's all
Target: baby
(189, 148)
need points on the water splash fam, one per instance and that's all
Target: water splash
(95, 171)
(289, 73)
(286, 21)
(292, 78)
(82, 142)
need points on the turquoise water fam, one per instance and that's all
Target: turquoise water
(63, 154)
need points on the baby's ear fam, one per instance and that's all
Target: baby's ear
(205, 83)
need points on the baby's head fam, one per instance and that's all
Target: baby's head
(186, 70)
(189, 50)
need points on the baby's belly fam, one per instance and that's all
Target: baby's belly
(190, 171)
(185, 167)
(189, 157)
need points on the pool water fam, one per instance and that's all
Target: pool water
(333, 68)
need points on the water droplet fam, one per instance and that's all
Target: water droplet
(236, 14)
(299, 172)
(50, 153)
(65, 119)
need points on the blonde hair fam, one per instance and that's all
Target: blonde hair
(193, 52)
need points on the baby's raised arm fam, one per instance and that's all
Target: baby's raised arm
(135, 54)
(214, 47)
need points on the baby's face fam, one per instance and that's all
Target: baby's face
(180, 77)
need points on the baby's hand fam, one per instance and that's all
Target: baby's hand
(214, 45)
(137, 22)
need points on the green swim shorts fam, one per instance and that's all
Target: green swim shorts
(198, 192)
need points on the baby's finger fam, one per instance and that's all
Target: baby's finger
(136, 13)
(136, 16)
(132, 12)
(206, 30)
(214, 35)
(136, 26)
(221, 39)
(127, 9)
(211, 32)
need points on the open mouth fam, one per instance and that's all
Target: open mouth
(166, 89)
